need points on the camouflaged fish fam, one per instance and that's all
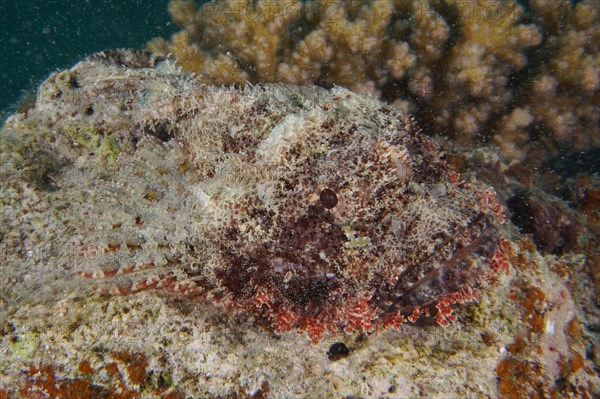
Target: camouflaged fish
(316, 210)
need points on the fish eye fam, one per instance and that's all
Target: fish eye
(328, 198)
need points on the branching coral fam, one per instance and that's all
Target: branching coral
(464, 67)
(477, 67)
(326, 41)
(562, 105)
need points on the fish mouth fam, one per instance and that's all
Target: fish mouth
(443, 277)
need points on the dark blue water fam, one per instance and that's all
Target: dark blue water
(38, 37)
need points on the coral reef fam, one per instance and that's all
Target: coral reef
(115, 173)
(523, 74)
(561, 112)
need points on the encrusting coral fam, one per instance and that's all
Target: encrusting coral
(464, 67)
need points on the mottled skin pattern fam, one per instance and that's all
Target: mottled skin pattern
(319, 210)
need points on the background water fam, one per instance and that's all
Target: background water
(38, 37)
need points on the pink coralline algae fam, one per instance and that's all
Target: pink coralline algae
(316, 210)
